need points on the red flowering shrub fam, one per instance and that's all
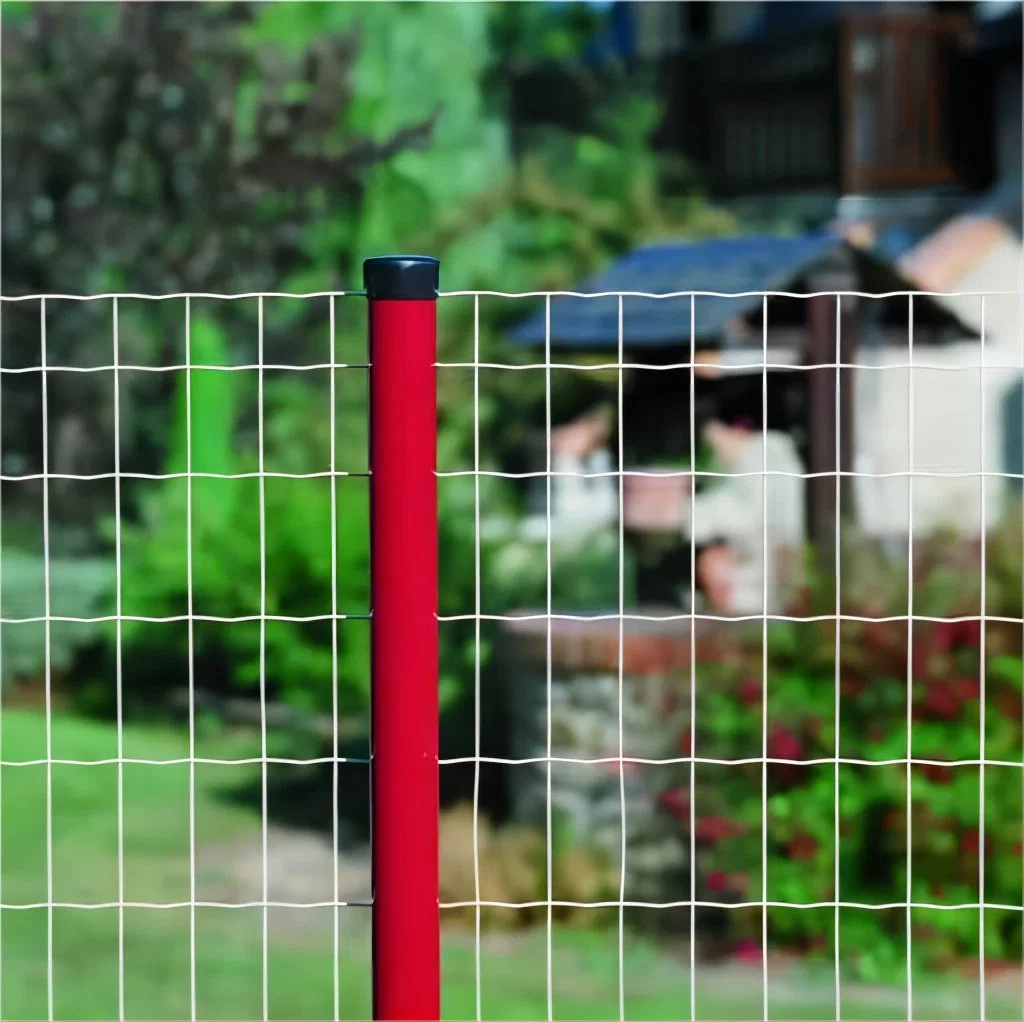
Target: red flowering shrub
(803, 847)
(749, 691)
(677, 802)
(934, 676)
(717, 881)
(783, 744)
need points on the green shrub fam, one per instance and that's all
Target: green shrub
(944, 661)
(295, 657)
(584, 574)
(226, 545)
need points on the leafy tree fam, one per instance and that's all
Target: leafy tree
(253, 147)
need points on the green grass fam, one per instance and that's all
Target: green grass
(300, 969)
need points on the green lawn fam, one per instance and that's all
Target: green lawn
(300, 985)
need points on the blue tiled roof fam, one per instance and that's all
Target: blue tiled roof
(729, 265)
(1004, 203)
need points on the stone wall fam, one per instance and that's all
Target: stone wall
(584, 723)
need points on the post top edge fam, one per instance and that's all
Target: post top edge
(410, 277)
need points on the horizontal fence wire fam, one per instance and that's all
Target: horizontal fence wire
(540, 295)
(254, 367)
(170, 618)
(545, 295)
(602, 367)
(177, 295)
(727, 618)
(525, 760)
(555, 903)
(724, 370)
(31, 477)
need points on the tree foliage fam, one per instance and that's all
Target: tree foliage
(243, 147)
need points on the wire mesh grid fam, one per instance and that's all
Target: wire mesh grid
(688, 899)
(185, 370)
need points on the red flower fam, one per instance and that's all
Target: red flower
(938, 774)
(783, 744)
(676, 802)
(686, 743)
(749, 691)
(747, 951)
(877, 635)
(969, 688)
(717, 881)
(942, 701)
(712, 829)
(970, 842)
(803, 847)
(967, 633)
(851, 687)
(944, 636)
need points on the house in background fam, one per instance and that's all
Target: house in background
(970, 411)
(884, 117)
(980, 250)
(732, 338)
(898, 126)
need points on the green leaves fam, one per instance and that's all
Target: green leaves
(947, 828)
(211, 394)
(1009, 669)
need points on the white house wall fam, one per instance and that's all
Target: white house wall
(947, 413)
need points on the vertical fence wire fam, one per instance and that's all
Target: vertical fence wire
(191, 627)
(477, 598)
(982, 722)
(2, 662)
(262, 505)
(836, 709)
(549, 836)
(691, 749)
(910, 656)
(3, 665)
(335, 788)
(764, 657)
(620, 667)
(118, 663)
(47, 658)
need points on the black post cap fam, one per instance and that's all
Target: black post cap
(406, 276)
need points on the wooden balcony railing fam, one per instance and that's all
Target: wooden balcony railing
(894, 87)
(862, 105)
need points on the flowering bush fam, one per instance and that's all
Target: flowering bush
(931, 680)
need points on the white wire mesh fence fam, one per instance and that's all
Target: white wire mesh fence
(977, 367)
(988, 357)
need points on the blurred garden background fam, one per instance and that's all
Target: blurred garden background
(158, 148)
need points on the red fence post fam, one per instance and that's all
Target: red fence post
(402, 293)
